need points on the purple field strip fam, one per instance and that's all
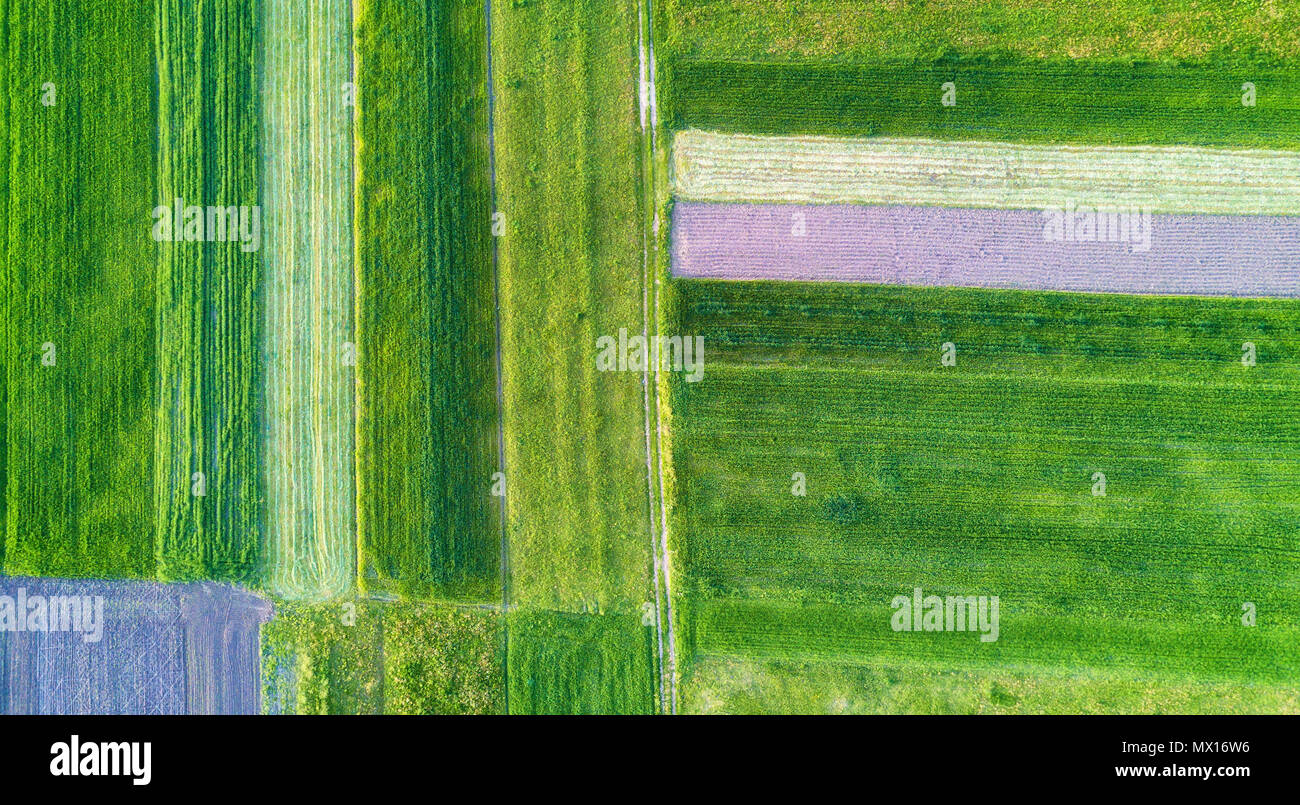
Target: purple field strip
(155, 649)
(1199, 255)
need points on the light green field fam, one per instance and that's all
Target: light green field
(571, 271)
(77, 313)
(310, 531)
(979, 479)
(996, 175)
(731, 685)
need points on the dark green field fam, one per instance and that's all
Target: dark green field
(978, 479)
(1163, 31)
(1036, 102)
(208, 311)
(426, 407)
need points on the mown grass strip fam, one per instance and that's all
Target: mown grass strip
(78, 331)
(310, 536)
(709, 166)
(426, 407)
(208, 316)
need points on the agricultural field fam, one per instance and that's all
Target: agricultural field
(78, 353)
(980, 478)
(426, 405)
(305, 325)
(1123, 31)
(1117, 252)
(208, 497)
(777, 687)
(570, 269)
(369, 657)
(1027, 101)
(131, 647)
(997, 175)
(562, 663)
(310, 522)
(1117, 469)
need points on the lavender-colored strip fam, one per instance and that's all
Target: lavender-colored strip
(158, 648)
(1201, 255)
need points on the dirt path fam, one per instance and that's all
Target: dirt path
(654, 452)
(496, 301)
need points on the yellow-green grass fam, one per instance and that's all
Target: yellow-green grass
(568, 139)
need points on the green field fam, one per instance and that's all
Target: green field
(734, 685)
(78, 324)
(996, 99)
(978, 479)
(1166, 31)
(409, 658)
(581, 664)
(571, 270)
(426, 411)
(208, 312)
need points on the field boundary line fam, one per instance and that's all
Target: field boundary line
(649, 113)
(496, 304)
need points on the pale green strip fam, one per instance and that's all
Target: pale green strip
(307, 185)
(827, 170)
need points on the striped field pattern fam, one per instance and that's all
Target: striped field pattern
(1174, 179)
(207, 319)
(1204, 255)
(307, 205)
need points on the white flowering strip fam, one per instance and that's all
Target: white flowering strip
(1159, 179)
